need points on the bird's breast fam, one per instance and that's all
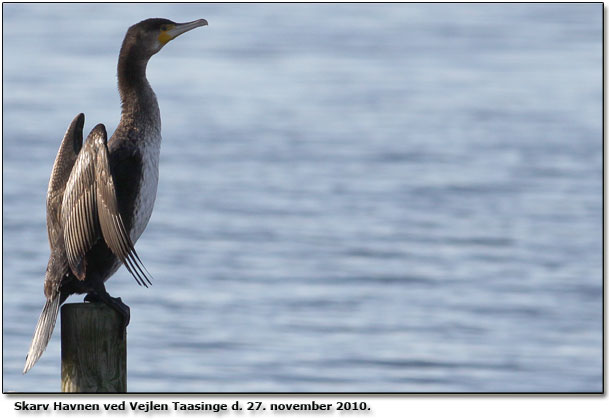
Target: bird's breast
(144, 201)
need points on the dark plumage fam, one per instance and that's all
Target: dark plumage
(101, 195)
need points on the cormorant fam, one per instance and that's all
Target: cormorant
(101, 195)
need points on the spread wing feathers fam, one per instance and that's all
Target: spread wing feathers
(66, 156)
(90, 210)
(112, 227)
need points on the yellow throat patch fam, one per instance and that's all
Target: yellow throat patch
(164, 37)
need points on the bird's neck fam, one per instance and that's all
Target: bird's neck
(137, 97)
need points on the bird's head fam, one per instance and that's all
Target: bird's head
(150, 35)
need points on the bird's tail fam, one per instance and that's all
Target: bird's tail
(44, 329)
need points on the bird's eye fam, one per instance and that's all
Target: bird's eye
(164, 28)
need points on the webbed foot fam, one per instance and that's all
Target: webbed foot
(92, 298)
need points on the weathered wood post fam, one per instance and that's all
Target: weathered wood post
(93, 349)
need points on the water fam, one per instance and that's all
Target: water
(394, 198)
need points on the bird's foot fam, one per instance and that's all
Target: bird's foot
(122, 309)
(92, 298)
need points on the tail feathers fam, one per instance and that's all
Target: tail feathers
(44, 329)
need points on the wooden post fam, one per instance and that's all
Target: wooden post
(93, 349)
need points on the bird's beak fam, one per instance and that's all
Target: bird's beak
(180, 28)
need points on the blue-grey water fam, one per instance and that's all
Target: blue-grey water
(354, 197)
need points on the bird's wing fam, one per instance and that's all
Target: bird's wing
(90, 210)
(66, 156)
(112, 226)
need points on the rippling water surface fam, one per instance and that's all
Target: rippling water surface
(396, 198)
